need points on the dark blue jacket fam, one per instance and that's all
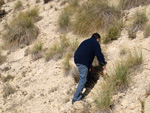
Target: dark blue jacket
(86, 52)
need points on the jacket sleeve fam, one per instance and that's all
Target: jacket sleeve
(99, 54)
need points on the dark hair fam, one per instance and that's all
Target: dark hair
(96, 35)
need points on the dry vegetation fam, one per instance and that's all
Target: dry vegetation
(127, 4)
(1, 3)
(8, 90)
(18, 5)
(2, 58)
(146, 31)
(118, 78)
(36, 51)
(21, 30)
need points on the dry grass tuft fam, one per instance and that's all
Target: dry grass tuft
(93, 16)
(66, 64)
(127, 4)
(2, 58)
(8, 90)
(21, 29)
(1, 3)
(57, 48)
(7, 78)
(146, 31)
(36, 51)
(75, 74)
(112, 32)
(18, 5)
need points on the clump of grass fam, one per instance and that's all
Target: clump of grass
(134, 57)
(57, 48)
(36, 51)
(21, 30)
(146, 31)
(33, 13)
(127, 4)
(103, 99)
(64, 19)
(112, 33)
(2, 58)
(131, 33)
(1, 3)
(7, 78)
(123, 50)
(118, 79)
(74, 45)
(8, 90)
(66, 64)
(75, 74)
(140, 20)
(18, 5)
(147, 92)
(89, 19)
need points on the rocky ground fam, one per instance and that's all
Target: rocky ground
(41, 87)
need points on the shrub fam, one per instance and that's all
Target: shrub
(1, 3)
(134, 57)
(127, 4)
(21, 30)
(8, 90)
(36, 51)
(75, 74)
(131, 33)
(123, 50)
(140, 20)
(93, 16)
(112, 33)
(66, 64)
(33, 13)
(146, 31)
(103, 99)
(7, 78)
(64, 19)
(2, 58)
(57, 48)
(18, 5)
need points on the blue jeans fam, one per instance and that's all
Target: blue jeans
(83, 71)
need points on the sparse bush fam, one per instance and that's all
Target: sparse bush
(74, 3)
(132, 33)
(134, 57)
(147, 31)
(74, 45)
(103, 99)
(36, 51)
(64, 19)
(147, 92)
(127, 4)
(57, 48)
(8, 90)
(7, 78)
(18, 5)
(90, 19)
(21, 30)
(112, 33)
(1, 3)
(66, 64)
(123, 50)
(2, 58)
(75, 74)
(33, 13)
(140, 20)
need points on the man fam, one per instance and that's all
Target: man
(83, 58)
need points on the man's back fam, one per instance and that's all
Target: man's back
(86, 52)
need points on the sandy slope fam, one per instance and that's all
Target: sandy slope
(42, 87)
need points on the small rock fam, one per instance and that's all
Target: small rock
(132, 106)
(79, 105)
